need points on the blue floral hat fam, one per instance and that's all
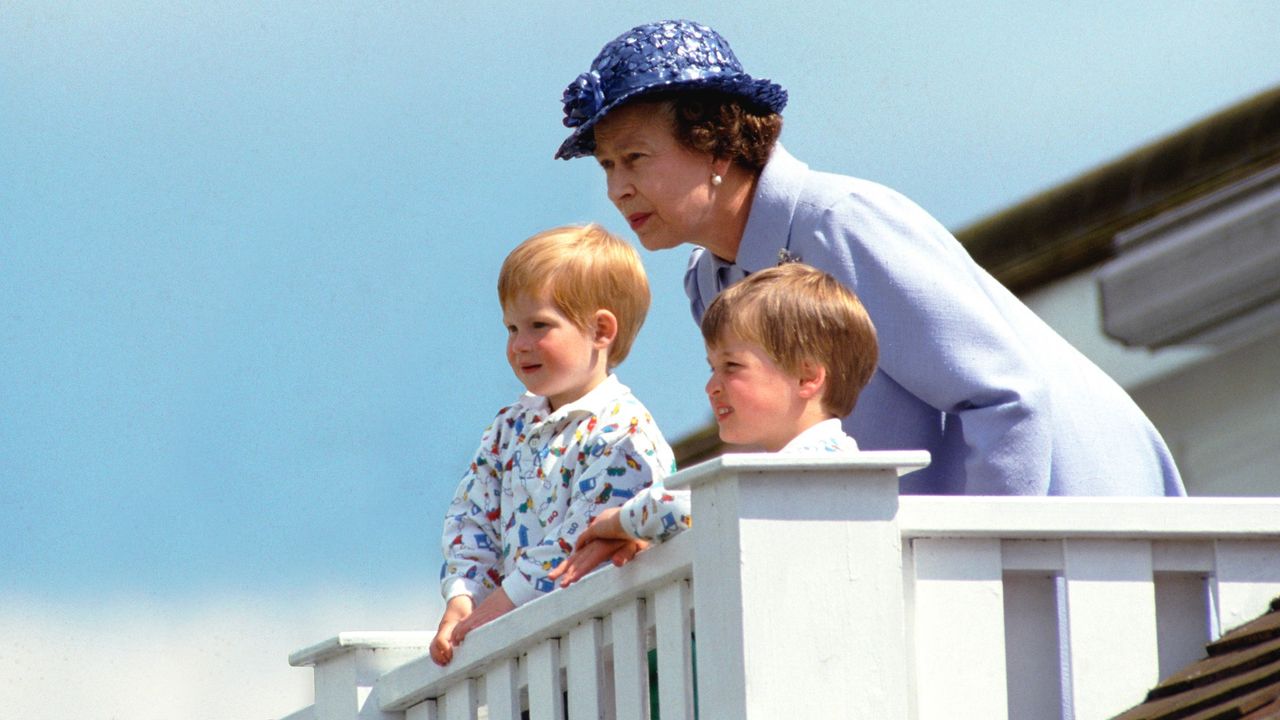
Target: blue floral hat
(665, 55)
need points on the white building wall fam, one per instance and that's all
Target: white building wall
(1219, 409)
(1222, 418)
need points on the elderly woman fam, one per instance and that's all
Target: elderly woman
(688, 144)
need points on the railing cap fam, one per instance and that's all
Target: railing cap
(901, 461)
(1054, 518)
(361, 640)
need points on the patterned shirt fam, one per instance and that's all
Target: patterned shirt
(537, 480)
(657, 513)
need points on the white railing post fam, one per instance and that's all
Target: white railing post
(346, 666)
(798, 601)
(1110, 594)
(958, 628)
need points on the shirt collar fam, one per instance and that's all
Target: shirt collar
(814, 435)
(769, 223)
(599, 396)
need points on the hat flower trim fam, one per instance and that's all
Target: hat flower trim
(582, 99)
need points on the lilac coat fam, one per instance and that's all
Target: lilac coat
(1003, 403)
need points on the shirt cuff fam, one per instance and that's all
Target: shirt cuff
(630, 512)
(519, 590)
(453, 587)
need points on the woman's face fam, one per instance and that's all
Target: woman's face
(662, 188)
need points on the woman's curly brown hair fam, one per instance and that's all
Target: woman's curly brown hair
(723, 125)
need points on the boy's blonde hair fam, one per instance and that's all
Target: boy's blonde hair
(582, 268)
(798, 314)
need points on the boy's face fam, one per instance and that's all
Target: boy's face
(548, 353)
(755, 402)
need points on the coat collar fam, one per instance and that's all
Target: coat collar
(768, 228)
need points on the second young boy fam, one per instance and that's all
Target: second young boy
(790, 349)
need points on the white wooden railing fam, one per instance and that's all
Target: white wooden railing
(816, 592)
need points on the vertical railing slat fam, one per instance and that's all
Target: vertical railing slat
(502, 690)
(425, 710)
(461, 701)
(546, 694)
(1182, 619)
(959, 628)
(583, 670)
(1246, 578)
(1110, 594)
(630, 666)
(675, 681)
(1033, 681)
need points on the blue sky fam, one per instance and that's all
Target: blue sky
(248, 328)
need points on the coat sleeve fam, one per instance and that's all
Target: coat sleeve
(942, 334)
(471, 542)
(616, 460)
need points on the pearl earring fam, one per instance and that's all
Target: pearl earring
(716, 179)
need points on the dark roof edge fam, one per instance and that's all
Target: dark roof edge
(1070, 227)
(701, 444)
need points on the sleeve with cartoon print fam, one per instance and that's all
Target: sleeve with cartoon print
(471, 542)
(656, 513)
(617, 460)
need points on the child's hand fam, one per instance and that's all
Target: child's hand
(628, 551)
(442, 646)
(492, 608)
(603, 539)
(458, 608)
(587, 557)
(605, 526)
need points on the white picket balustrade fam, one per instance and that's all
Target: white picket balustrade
(1076, 606)
(345, 668)
(809, 588)
(591, 639)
